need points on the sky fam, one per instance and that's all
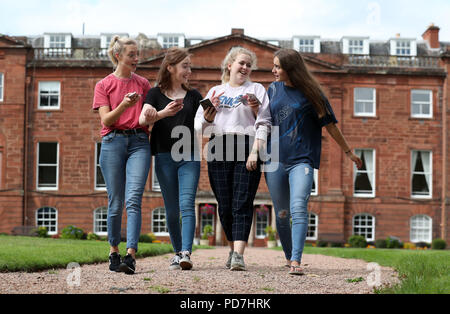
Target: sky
(262, 19)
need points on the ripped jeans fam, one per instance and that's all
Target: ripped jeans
(290, 188)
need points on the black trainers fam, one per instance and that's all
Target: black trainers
(114, 261)
(128, 265)
(175, 262)
(185, 261)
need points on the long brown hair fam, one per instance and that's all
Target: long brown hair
(301, 78)
(173, 56)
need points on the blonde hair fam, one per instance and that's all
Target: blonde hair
(231, 56)
(117, 46)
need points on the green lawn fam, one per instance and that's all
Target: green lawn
(420, 271)
(33, 254)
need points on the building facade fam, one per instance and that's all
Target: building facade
(390, 98)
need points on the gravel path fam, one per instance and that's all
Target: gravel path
(266, 274)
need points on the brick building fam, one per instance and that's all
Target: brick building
(390, 98)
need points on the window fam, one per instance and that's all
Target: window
(262, 214)
(313, 223)
(155, 182)
(2, 85)
(159, 225)
(355, 46)
(315, 187)
(308, 44)
(170, 41)
(274, 42)
(101, 221)
(421, 229)
(57, 45)
(365, 102)
(49, 93)
(207, 213)
(99, 180)
(421, 103)
(364, 225)
(421, 176)
(364, 179)
(47, 217)
(47, 166)
(403, 47)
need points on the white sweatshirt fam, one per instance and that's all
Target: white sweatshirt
(234, 117)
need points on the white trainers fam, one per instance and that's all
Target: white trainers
(175, 262)
(237, 262)
(228, 264)
(185, 261)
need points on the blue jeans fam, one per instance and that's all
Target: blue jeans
(125, 163)
(178, 181)
(298, 180)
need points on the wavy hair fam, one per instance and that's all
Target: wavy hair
(231, 56)
(173, 56)
(301, 78)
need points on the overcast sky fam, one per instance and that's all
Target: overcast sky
(263, 19)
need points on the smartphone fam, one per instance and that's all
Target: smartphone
(243, 100)
(251, 96)
(206, 103)
(132, 95)
(179, 101)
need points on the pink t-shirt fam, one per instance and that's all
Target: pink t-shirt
(111, 90)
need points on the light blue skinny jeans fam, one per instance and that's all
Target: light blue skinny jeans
(125, 163)
(290, 188)
(178, 181)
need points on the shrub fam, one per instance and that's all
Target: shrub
(357, 241)
(270, 233)
(93, 236)
(381, 244)
(423, 245)
(438, 244)
(409, 246)
(393, 243)
(207, 231)
(42, 232)
(145, 238)
(336, 244)
(321, 243)
(72, 232)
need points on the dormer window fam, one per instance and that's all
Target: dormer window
(171, 40)
(355, 46)
(403, 47)
(58, 44)
(307, 44)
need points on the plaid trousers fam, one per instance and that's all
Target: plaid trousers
(235, 189)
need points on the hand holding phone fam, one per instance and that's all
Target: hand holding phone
(206, 103)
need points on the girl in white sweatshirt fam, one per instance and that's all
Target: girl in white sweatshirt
(240, 115)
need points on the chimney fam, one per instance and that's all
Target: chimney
(237, 31)
(432, 36)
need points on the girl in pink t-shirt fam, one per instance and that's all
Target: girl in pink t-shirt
(125, 150)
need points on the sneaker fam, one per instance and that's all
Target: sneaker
(128, 265)
(237, 262)
(114, 261)
(175, 262)
(185, 261)
(228, 264)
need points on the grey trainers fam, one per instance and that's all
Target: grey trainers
(230, 255)
(237, 262)
(175, 262)
(185, 261)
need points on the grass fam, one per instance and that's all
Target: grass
(421, 272)
(34, 254)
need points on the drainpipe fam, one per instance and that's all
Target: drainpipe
(28, 81)
(444, 156)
